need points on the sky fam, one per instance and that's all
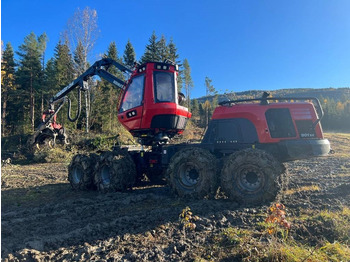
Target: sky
(240, 44)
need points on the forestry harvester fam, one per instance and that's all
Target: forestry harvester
(242, 151)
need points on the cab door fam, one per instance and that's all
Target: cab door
(130, 111)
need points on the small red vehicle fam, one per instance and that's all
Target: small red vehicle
(49, 132)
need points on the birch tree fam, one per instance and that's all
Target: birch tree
(82, 32)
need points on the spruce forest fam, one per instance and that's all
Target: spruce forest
(29, 79)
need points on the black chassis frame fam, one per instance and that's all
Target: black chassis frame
(157, 160)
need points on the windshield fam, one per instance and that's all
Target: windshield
(134, 94)
(164, 87)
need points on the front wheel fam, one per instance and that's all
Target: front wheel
(192, 173)
(80, 171)
(115, 171)
(252, 177)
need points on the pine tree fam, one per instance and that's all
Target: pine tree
(42, 42)
(129, 56)
(79, 59)
(187, 80)
(50, 78)
(106, 95)
(63, 64)
(163, 49)
(195, 108)
(172, 52)
(63, 73)
(29, 74)
(7, 83)
(112, 52)
(152, 53)
(174, 56)
(202, 115)
(210, 90)
(207, 108)
(49, 83)
(80, 66)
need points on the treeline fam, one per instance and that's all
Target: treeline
(31, 79)
(336, 114)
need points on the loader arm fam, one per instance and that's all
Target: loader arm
(98, 68)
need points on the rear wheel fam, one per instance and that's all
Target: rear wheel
(192, 173)
(115, 171)
(80, 171)
(252, 176)
(45, 139)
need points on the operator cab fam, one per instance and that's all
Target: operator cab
(151, 105)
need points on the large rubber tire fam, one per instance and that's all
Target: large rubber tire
(80, 171)
(115, 171)
(45, 139)
(252, 177)
(192, 173)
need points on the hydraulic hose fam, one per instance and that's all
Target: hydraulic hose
(79, 108)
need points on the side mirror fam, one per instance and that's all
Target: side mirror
(181, 98)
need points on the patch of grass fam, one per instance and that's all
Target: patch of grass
(339, 143)
(22, 196)
(293, 252)
(98, 142)
(257, 244)
(234, 236)
(53, 155)
(102, 141)
(336, 251)
(274, 229)
(311, 188)
(234, 244)
(345, 171)
(325, 225)
(339, 222)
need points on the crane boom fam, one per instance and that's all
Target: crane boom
(96, 69)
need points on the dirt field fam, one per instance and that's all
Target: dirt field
(43, 219)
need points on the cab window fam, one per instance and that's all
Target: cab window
(164, 87)
(134, 94)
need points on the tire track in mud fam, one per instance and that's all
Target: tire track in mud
(67, 223)
(94, 218)
(330, 178)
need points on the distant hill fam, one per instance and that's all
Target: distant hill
(338, 94)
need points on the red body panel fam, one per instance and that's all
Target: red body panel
(53, 124)
(256, 114)
(149, 108)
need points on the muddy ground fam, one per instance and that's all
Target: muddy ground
(43, 219)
